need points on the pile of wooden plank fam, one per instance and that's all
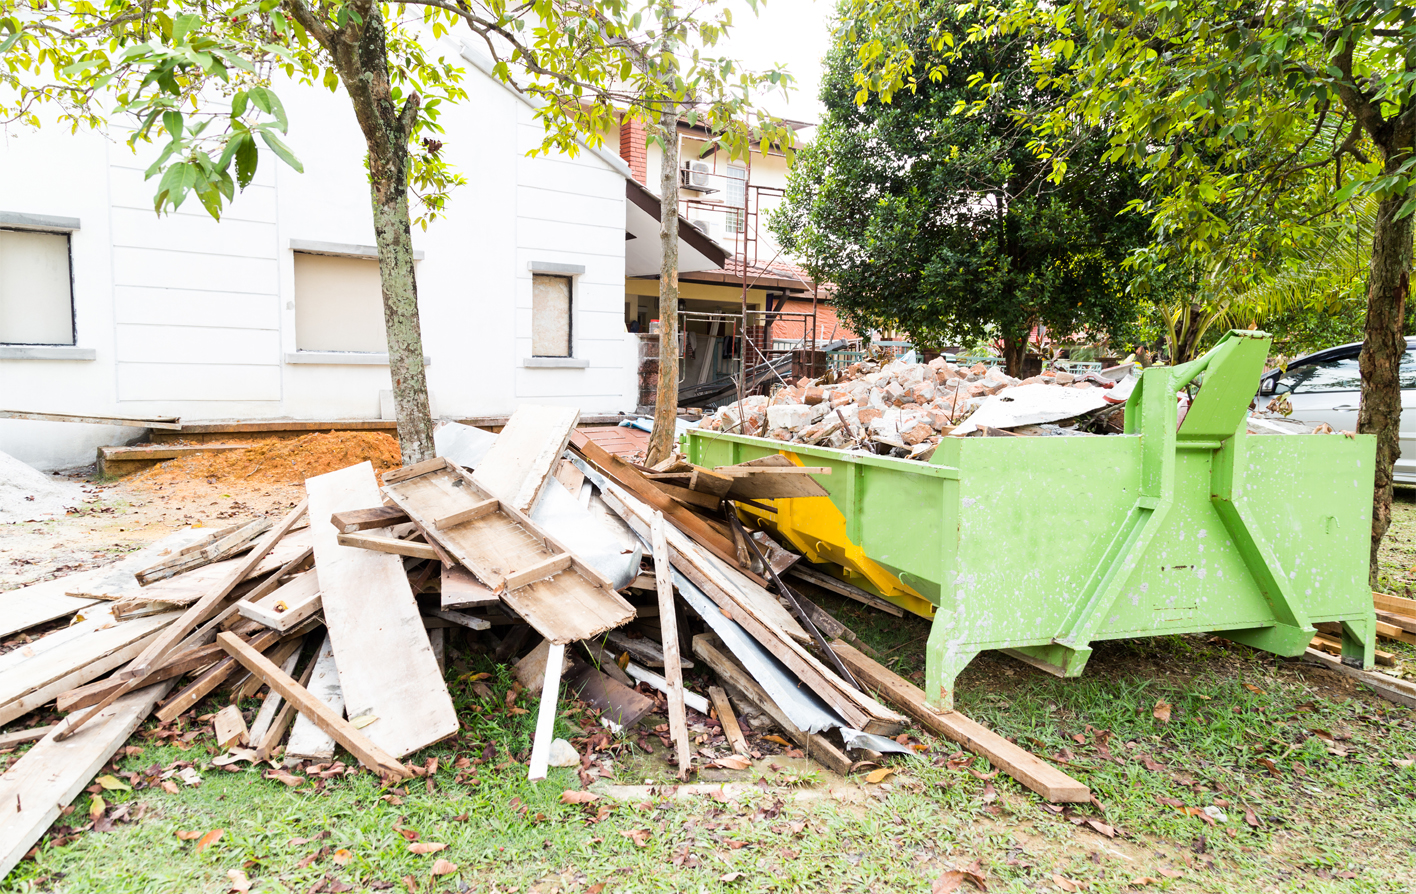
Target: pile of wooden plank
(360, 584)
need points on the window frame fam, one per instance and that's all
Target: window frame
(20, 222)
(336, 358)
(571, 273)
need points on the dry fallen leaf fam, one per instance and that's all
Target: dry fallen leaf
(576, 797)
(112, 784)
(342, 857)
(1171, 873)
(96, 807)
(1101, 827)
(640, 837)
(1254, 689)
(170, 787)
(239, 883)
(880, 775)
(426, 847)
(952, 879)
(362, 721)
(1143, 881)
(189, 836)
(1066, 884)
(1161, 713)
(443, 867)
(778, 739)
(732, 762)
(209, 839)
(730, 876)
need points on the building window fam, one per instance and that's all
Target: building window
(36, 288)
(338, 304)
(736, 198)
(550, 315)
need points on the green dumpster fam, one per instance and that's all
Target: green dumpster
(1043, 545)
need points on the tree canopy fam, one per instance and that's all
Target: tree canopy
(933, 214)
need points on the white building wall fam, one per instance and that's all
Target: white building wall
(188, 317)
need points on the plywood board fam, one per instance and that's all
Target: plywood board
(287, 605)
(526, 452)
(500, 547)
(461, 590)
(756, 480)
(386, 665)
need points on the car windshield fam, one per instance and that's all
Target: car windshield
(1337, 375)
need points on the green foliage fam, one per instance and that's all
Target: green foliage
(933, 214)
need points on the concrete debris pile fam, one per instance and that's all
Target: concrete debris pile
(333, 627)
(904, 409)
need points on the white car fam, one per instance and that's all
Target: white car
(1326, 386)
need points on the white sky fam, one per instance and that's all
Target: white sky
(790, 33)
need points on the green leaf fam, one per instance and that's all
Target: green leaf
(183, 25)
(246, 159)
(172, 123)
(281, 150)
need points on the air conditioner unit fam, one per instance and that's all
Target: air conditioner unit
(704, 226)
(696, 173)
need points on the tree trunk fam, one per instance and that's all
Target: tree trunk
(661, 442)
(1383, 346)
(360, 54)
(1015, 351)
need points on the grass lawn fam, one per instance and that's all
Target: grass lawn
(1309, 784)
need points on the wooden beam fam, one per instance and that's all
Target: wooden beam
(689, 497)
(540, 571)
(309, 741)
(546, 713)
(458, 618)
(266, 716)
(1022, 765)
(178, 665)
(266, 744)
(352, 521)
(728, 720)
(841, 588)
(368, 754)
(173, 423)
(389, 545)
(21, 736)
(1395, 604)
(393, 476)
(1399, 621)
(1385, 687)
(741, 472)
(816, 746)
(201, 687)
(200, 611)
(1333, 645)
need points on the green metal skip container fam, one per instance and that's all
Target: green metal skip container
(1043, 545)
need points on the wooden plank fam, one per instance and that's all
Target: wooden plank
(728, 720)
(841, 588)
(1385, 687)
(308, 741)
(818, 747)
(437, 638)
(461, 590)
(542, 570)
(606, 661)
(222, 548)
(177, 665)
(161, 422)
(24, 736)
(460, 619)
(278, 656)
(200, 611)
(386, 665)
(1399, 621)
(1333, 645)
(266, 716)
(40, 671)
(546, 712)
(575, 603)
(752, 472)
(51, 774)
(689, 497)
(230, 727)
(773, 477)
(213, 677)
(389, 545)
(1395, 604)
(617, 702)
(354, 741)
(668, 623)
(530, 669)
(709, 482)
(393, 476)
(525, 453)
(288, 605)
(639, 674)
(569, 476)
(475, 511)
(1022, 765)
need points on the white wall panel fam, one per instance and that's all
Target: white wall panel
(169, 382)
(185, 270)
(190, 307)
(133, 228)
(196, 345)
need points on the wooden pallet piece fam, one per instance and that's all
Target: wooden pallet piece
(732, 674)
(391, 545)
(52, 773)
(546, 712)
(561, 597)
(352, 521)
(287, 605)
(41, 671)
(460, 589)
(261, 725)
(728, 719)
(1401, 622)
(386, 665)
(668, 623)
(773, 477)
(526, 453)
(230, 727)
(857, 709)
(357, 744)
(307, 740)
(222, 548)
(200, 611)
(1024, 766)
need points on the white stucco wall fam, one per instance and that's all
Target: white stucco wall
(193, 318)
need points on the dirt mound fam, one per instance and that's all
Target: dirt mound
(28, 494)
(280, 461)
